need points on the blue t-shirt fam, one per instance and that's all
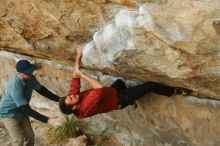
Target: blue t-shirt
(16, 94)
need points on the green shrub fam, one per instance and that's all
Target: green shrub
(68, 128)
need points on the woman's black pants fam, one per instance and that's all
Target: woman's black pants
(129, 95)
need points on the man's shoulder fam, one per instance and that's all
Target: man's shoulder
(14, 82)
(34, 80)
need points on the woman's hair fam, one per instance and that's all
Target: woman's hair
(64, 108)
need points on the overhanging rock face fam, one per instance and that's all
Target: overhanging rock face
(51, 29)
(173, 42)
(162, 43)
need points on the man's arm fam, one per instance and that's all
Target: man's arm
(74, 86)
(77, 62)
(26, 109)
(46, 93)
(93, 82)
(23, 106)
(77, 73)
(75, 82)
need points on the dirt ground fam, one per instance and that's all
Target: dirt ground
(40, 137)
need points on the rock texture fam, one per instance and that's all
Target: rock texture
(173, 42)
(162, 43)
(51, 29)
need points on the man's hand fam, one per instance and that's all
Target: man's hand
(119, 107)
(78, 57)
(79, 52)
(78, 71)
(77, 63)
(54, 121)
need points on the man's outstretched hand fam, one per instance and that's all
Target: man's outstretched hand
(54, 121)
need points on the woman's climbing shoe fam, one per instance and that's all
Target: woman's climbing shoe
(183, 91)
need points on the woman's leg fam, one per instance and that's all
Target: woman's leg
(129, 95)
